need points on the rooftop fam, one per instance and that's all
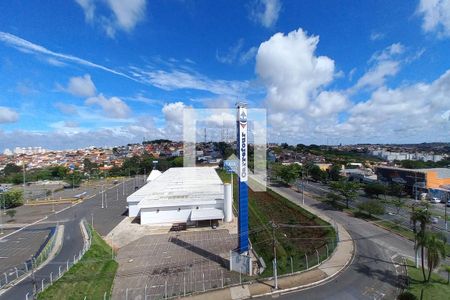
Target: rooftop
(441, 172)
(178, 186)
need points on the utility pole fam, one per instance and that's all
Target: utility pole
(275, 271)
(303, 190)
(1, 214)
(33, 278)
(103, 195)
(23, 168)
(445, 213)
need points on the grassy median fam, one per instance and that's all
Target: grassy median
(292, 242)
(92, 276)
(436, 289)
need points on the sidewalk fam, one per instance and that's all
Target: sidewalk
(338, 261)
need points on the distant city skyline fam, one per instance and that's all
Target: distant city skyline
(104, 73)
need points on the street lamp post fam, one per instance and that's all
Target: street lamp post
(103, 195)
(445, 212)
(1, 214)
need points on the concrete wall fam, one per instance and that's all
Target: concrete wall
(170, 215)
(133, 209)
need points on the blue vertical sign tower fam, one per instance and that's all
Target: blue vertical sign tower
(242, 141)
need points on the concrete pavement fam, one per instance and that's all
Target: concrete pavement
(330, 268)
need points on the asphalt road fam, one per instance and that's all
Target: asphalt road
(104, 220)
(372, 274)
(403, 215)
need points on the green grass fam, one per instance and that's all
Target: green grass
(291, 242)
(436, 289)
(92, 276)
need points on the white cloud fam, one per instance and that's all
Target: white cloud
(411, 113)
(173, 112)
(8, 115)
(236, 54)
(292, 73)
(81, 86)
(328, 103)
(113, 107)
(248, 55)
(265, 12)
(231, 54)
(125, 14)
(29, 47)
(183, 79)
(436, 16)
(376, 36)
(377, 75)
(67, 109)
(386, 64)
(88, 7)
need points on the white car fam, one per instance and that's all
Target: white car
(435, 200)
(434, 220)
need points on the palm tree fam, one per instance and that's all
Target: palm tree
(423, 217)
(435, 251)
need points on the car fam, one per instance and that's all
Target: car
(434, 220)
(435, 200)
(448, 203)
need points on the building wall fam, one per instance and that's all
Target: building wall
(434, 182)
(173, 214)
(133, 209)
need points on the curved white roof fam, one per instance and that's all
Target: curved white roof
(178, 186)
(153, 175)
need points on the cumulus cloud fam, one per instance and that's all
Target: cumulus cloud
(8, 115)
(173, 112)
(385, 63)
(265, 12)
(436, 16)
(113, 107)
(81, 86)
(414, 113)
(292, 73)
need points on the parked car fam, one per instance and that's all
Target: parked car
(434, 220)
(448, 203)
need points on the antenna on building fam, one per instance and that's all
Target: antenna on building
(205, 135)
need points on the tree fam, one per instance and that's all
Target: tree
(396, 190)
(89, 166)
(317, 174)
(422, 216)
(372, 207)
(289, 173)
(73, 179)
(374, 189)
(11, 168)
(435, 251)
(13, 198)
(347, 189)
(11, 213)
(398, 203)
(335, 172)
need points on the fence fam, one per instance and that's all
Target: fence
(184, 280)
(41, 256)
(46, 281)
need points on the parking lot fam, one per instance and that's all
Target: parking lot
(167, 265)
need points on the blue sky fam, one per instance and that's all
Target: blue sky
(109, 72)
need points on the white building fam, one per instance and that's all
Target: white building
(182, 195)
